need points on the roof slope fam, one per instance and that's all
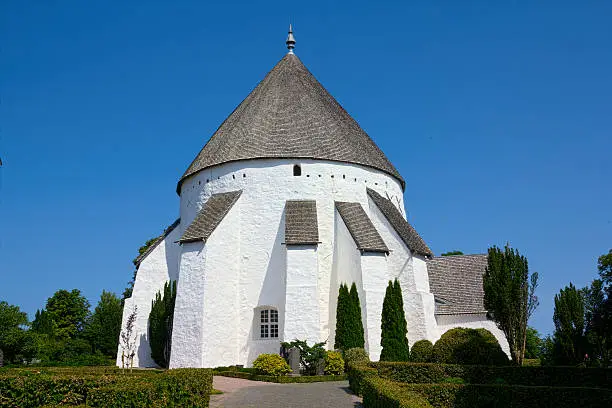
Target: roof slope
(361, 227)
(301, 227)
(290, 115)
(407, 233)
(457, 282)
(155, 243)
(210, 216)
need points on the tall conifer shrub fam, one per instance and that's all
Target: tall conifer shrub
(160, 324)
(393, 324)
(342, 318)
(357, 338)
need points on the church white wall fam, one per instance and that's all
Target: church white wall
(411, 272)
(471, 321)
(346, 269)
(374, 273)
(159, 267)
(207, 312)
(302, 301)
(266, 185)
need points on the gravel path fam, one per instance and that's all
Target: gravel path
(244, 393)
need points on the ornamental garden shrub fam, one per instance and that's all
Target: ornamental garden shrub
(334, 363)
(356, 355)
(394, 328)
(468, 346)
(349, 326)
(312, 358)
(421, 351)
(271, 364)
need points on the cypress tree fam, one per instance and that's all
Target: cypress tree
(343, 311)
(356, 323)
(160, 324)
(393, 324)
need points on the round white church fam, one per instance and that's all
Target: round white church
(287, 200)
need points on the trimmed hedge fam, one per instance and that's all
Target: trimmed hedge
(105, 388)
(468, 346)
(421, 351)
(381, 393)
(284, 379)
(513, 375)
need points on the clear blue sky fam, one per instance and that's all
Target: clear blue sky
(498, 115)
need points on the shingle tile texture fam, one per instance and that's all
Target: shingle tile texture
(457, 281)
(290, 115)
(361, 228)
(210, 216)
(301, 227)
(403, 228)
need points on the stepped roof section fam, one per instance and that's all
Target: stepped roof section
(290, 115)
(456, 282)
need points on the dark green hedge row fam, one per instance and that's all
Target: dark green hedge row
(534, 376)
(283, 379)
(97, 388)
(381, 393)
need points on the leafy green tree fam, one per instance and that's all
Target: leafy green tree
(44, 324)
(343, 310)
(393, 324)
(105, 324)
(16, 342)
(160, 324)
(451, 253)
(68, 312)
(533, 343)
(509, 296)
(355, 324)
(569, 334)
(604, 265)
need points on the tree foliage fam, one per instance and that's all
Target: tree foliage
(312, 358)
(509, 295)
(393, 325)
(160, 324)
(16, 341)
(65, 314)
(569, 334)
(532, 344)
(104, 325)
(451, 253)
(468, 346)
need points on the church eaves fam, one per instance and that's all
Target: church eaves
(361, 227)
(210, 216)
(290, 115)
(406, 232)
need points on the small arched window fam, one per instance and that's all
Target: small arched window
(268, 323)
(297, 170)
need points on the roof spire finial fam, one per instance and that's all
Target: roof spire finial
(290, 40)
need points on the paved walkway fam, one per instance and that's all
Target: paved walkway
(244, 393)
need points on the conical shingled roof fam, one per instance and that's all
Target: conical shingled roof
(290, 115)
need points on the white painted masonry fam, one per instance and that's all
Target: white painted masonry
(244, 266)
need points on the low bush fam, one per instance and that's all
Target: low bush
(271, 364)
(468, 346)
(105, 387)
(381, 393)
(334, 364)
(355, 356)
(421, 351)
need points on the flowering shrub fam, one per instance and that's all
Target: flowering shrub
(334, 364)
(271, 364)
